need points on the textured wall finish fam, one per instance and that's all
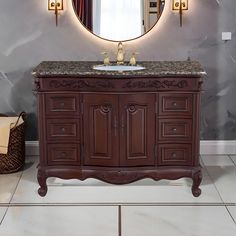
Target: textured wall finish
(28, 35)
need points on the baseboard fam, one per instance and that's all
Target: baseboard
(219, 147)
(31, 148)
(208, 147)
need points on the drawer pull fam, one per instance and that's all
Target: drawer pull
(63, 130)
(62, 104)
(174, 130)
(174, 104)
(62, 155)
(173, 155)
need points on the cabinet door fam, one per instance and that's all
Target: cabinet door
(137, 129)
(101, 130)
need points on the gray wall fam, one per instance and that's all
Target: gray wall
(28, 35)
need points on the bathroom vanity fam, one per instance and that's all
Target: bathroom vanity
(119, 126)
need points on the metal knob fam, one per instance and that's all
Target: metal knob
(174, 104)
(63, 130)
(62, 104)
(174, 130)
(62, 155)
(173, 155)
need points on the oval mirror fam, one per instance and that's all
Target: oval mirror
(118, 20)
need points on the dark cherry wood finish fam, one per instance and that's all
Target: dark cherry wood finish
(119, 130)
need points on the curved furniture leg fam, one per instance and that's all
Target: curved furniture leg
(197, 179)
(42, 178)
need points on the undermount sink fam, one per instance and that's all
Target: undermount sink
(118, 68)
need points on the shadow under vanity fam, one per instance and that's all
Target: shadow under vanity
(116, 126)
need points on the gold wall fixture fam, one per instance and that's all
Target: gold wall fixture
(56, 6)
(180, 5)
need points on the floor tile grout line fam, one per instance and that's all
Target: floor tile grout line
(4, 216)
(232, 160)
(14, 191)
(119, 220)
(114, 204)
(9, 204)
(230, 215)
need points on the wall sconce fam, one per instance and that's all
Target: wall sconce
(180, 5)
(55, 5)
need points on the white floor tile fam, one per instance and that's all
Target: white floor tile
(177, 221)
(233, 157)
(2, 213)
(8, 185)
(232, 210)
(217, 160)
(223, 174)
(95, 191)
(68, 221)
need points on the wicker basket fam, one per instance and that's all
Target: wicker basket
(15, 157)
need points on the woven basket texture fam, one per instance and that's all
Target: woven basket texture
(15, 158)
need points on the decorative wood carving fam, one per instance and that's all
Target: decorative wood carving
(157, 84)
(36, 85)
(79, 84)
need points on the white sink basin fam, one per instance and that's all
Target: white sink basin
(118, 68)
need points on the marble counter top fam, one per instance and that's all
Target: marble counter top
(152, 69)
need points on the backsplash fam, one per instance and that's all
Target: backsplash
(28, 36)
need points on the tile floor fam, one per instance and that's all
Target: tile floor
(148, 208)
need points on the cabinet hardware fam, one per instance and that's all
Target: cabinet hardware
(62, 104)
(82, 108)
(155, 150)
(81, 151)
(115, 125)
(174, 104)
(174, 130)
(122, 126)
(62, 155)
(63, 130)
(173, 155)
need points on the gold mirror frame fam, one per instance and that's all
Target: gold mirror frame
(111, 40)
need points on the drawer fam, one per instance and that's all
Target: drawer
(175, 129)
(62, 129)
(175, 154)
(63, 154)
(58, 104)
(175, 104)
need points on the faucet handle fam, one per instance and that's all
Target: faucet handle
(132, 60)
(106, 60)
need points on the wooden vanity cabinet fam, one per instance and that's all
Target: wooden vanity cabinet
(118, 129)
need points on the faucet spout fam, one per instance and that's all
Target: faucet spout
(120, 54)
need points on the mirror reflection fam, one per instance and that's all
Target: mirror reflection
(119, 20)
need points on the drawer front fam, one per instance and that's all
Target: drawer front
(175, 154)
(58, 104)
(63, 154)
(175, 129)
(62, 129)
(175, 104)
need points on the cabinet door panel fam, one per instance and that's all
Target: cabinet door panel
(137, 133)
(100, 130)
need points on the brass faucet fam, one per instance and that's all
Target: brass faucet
(120, 54)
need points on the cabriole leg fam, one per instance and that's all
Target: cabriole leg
(197, 179)
(42, 180)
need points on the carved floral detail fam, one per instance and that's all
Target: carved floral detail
(36, 84)
(78, 84)
(156, 84)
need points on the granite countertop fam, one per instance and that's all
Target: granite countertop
(152, 69)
